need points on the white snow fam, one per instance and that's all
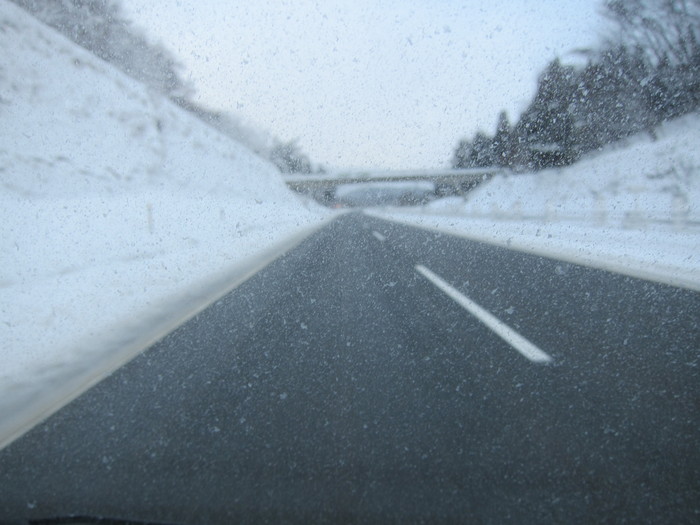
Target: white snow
(373, 193)
(386, 188)
(121, 213)
(633, 208)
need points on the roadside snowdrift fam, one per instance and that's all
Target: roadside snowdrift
(632, 183)
(117, 207)
(633, 208)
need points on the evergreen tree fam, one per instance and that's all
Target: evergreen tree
(649, 73)
(502, 144)
(481, 155)
(546, 127)
(462, 155)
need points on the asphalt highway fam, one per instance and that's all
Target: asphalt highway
(382, 373)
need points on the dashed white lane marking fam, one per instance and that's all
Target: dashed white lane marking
(379, 236)
(501, 329)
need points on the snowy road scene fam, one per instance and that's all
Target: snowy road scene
(331, 366)
(262, 264)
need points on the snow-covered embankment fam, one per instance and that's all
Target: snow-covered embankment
(121, 213)
(633, 208)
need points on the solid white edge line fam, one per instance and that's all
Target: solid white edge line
(379, 236)
(669, 275)
(505, 332)
(31, 407)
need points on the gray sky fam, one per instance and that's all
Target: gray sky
(362, 83)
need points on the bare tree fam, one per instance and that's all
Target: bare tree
(665, 29)
(101, 27)
(288, 157)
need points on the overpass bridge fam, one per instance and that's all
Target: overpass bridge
(323, 186)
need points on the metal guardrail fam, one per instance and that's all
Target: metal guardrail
(349, 177)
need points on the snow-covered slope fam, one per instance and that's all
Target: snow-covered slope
(634, 182)
(633, 208)
(118, 208)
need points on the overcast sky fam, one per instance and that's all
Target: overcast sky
(366, 83)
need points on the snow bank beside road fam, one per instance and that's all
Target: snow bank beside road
(114, 202)
(633, 183)
(633, 209)
(660, 254)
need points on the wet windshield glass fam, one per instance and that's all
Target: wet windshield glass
(349, 261)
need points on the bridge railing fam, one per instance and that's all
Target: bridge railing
(323, 186)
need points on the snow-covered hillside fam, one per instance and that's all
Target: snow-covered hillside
(633, 208)
(118, 208)
(633, 182)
